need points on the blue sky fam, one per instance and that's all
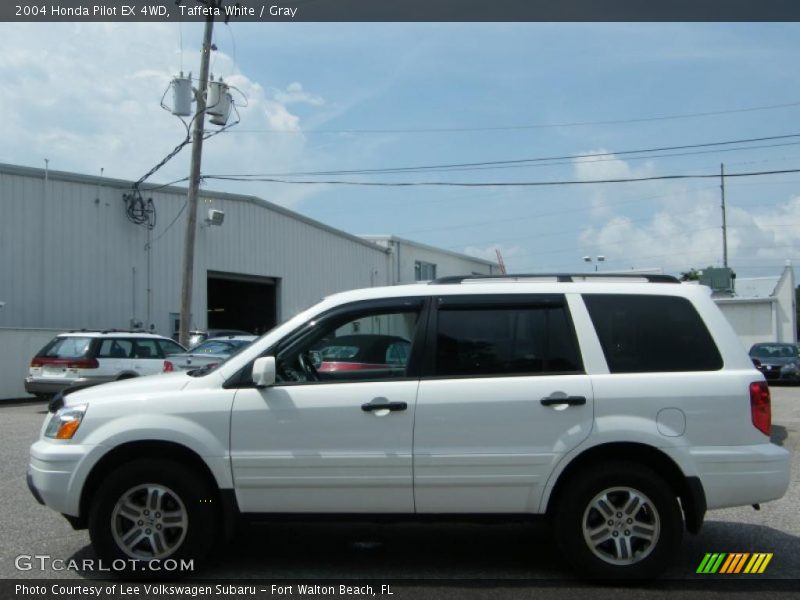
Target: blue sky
(86, 97)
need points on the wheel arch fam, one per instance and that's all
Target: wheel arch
(153, 449)
(689, 490)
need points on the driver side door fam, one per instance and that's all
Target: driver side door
(334, 434)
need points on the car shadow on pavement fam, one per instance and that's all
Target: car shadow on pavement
(465, 551)
(475, 551)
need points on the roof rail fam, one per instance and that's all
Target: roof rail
(84, 330)
(560, 277)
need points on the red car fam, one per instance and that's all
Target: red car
(361, 352)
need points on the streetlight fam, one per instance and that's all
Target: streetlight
(600, 258)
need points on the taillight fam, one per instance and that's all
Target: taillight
(83, 363)
(69, 363)
(760, 410)
(168, 367)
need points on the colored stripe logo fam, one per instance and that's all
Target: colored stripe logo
(734, 562)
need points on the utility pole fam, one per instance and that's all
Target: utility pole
(724, 217)
(187, 279)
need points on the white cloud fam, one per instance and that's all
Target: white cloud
(295, 94)
(683, 230)
(588, 166)
(86, 96)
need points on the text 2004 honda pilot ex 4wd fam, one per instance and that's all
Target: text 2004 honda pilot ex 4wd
(620, 407)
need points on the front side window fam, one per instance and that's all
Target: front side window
(168, 347)
(505, 340)
(358, 347)
(651, 334)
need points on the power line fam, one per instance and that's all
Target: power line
(531, 126)
(501, 183)
(552, 213)
(494, 163)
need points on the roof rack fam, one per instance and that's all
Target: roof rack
(107, 331)
(560, 277)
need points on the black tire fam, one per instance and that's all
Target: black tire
(650, 533)
(182, 492)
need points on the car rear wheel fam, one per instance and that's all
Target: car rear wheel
(150, 510)
(619, 520)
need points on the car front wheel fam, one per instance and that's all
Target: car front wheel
(149, 511)
(619, 521)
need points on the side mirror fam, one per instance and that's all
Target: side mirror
(264, 371)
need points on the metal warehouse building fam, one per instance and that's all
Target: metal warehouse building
(70, 258)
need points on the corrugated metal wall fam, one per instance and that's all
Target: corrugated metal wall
(69, 258)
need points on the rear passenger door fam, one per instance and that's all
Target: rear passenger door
(503, 396)
(114, 356)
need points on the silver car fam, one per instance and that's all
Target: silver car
(208, 354)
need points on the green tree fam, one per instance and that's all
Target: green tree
(690, 275)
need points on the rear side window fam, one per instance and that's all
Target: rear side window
(651, 334)
(505, 340)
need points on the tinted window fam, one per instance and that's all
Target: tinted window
(648, 334)
(505, 341)
(113, 348)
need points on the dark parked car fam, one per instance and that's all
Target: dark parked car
(779, 361)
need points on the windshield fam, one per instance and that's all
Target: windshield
(774, 351)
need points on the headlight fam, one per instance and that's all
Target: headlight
(65, 422)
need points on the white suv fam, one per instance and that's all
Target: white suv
(83, 358)
(621, 407)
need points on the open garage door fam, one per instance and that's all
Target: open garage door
(241, 302)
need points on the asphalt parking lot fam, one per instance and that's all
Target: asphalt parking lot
(398, 551)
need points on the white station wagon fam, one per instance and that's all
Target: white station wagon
(621, 407)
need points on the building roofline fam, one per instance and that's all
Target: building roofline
(176, 189)
(394, 238)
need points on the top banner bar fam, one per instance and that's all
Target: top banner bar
(401, 10)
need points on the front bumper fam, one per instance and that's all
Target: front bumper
(32, 488)
(56, 473)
